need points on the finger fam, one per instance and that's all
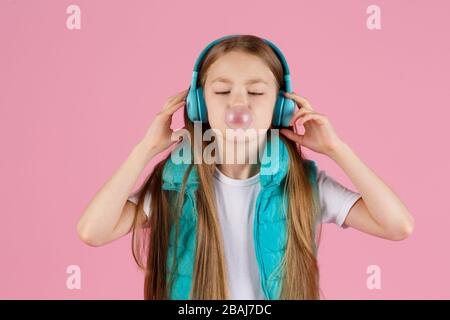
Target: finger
(310, 116)
(177, 134)
(170, 110)
(302, 102)
(177, 97)
(180, 97)
(297, 115)
(292, 136)
(180, 93)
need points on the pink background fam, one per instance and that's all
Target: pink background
(74, 102)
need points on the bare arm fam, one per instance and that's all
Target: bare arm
(109, 215)
(380, 211)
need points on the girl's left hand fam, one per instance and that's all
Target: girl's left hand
(319, 135)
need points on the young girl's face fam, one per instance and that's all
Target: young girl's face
(239, 79)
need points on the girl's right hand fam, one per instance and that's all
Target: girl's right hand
(158, 136)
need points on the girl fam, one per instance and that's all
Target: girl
(225, 230)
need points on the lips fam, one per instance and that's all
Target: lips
(238, 117)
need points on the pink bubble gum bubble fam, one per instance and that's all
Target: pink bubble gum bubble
(238, 117)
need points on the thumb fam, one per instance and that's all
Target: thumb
(178, 134)
(292, 135)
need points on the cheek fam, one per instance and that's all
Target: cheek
(216, 112)
(264, 113)
(262, 108)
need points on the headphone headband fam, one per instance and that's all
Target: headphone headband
(287, 74)
(195, 102)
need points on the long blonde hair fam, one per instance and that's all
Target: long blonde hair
(150, 245)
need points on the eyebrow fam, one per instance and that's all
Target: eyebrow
(255, 80)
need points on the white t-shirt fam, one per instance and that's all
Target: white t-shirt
(236, 200)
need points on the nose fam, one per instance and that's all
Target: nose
(239, 99)
(238, 115)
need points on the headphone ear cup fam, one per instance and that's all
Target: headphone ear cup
(288, 111)
(278, 111)
(201, 105)
(191, 105)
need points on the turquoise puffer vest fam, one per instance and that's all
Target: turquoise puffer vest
(270, 234)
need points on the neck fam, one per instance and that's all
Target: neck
(239, 171)
(245, 163)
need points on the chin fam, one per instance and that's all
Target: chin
(241, 136)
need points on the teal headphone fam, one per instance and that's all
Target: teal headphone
(195, 102)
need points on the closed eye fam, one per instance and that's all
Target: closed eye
(252, 93)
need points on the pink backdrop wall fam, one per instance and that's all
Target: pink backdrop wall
(74, 102)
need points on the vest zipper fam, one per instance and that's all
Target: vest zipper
(257, 251)
(171, 187)
(255, 239)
